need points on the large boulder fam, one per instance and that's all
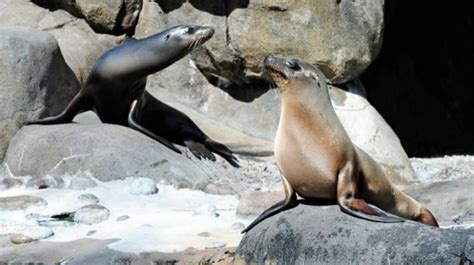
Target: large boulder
(35, 82)
(310, 234)
(113, 16)
(79, 44)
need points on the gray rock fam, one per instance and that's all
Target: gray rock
(444, 168)
(90, 233)
(219, 189)
(38, 82)
(122, 218)
(216, 245)
(21, 202)
(447, 200)
(102, 149)
(45, 182)
(204, 234)
(31, 233)
(91, 214)
(237, 226)
(151, 20)
(206, 210)
(143, 186)
(313, 234)
(255, 202)
(82, 183)
(8, 183)
(114, 16)
(88, 198)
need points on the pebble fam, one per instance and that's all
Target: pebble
(122, 218)
(88, 198)
(90, 233)
(82, 183)
(237, 226)
(143, 186)
(206, 210)
(29, 233)
(45, 183)
(205, 234)
(91, 214)
(8, 183)
(20, 202)
(213, 245)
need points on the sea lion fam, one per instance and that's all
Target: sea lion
(317, 159)
(119, 78)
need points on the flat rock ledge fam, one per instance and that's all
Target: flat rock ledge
(309, 234)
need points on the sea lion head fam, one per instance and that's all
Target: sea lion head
(292, 73)
(187, 37)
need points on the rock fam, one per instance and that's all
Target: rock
(20, 13)
(253, 203)
(103, 150)
(90, 233)
(45, 182)
(447, 200)
(27, 234)
(237, 226)
(88, 198)
(82, 183)
(435, 169)
(9, 182)
(91, 214)
(219, 189)
(216, 245)
(38, 82)
(20, 202)
(151, 20)
(206, 210)
(114, 16)
(313, 235)
(122, 218)
(143, 186)
(369, 131)
(204, 234)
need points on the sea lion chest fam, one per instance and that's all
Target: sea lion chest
(308, 153)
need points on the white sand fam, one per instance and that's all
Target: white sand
(164, 222)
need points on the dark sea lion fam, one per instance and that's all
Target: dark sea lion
(317, 159)
(119, 78)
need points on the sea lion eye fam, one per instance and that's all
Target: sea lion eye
(293, 65)
(190, 31)
(167, 37)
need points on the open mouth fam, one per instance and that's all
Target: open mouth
(276, 75)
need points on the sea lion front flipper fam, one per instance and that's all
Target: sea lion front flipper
(288, 203)
(134, 125)
(347, 182)
(199, 150)
(223, 151)
(77, 105)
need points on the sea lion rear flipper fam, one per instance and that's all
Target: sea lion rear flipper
(288, 203)
(134, 125)
(77, 105)
(347, 186)
(223, 151)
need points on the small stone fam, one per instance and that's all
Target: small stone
(45, 182)
(255, 202)
(27, 234)
(8, 183)
(216, 245)
(182, 184)
(122, 218)
(20, 239)
(205, 234)
(201, 184)
(91, 214)
(237, 226)
(206, 210)
(82, 183)
(143, 186)
(88, 198)
(219, 189)
(90, 233)
(21, 202)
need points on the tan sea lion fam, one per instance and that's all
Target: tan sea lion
(317, 159)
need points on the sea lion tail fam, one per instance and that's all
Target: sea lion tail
(223, 151)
